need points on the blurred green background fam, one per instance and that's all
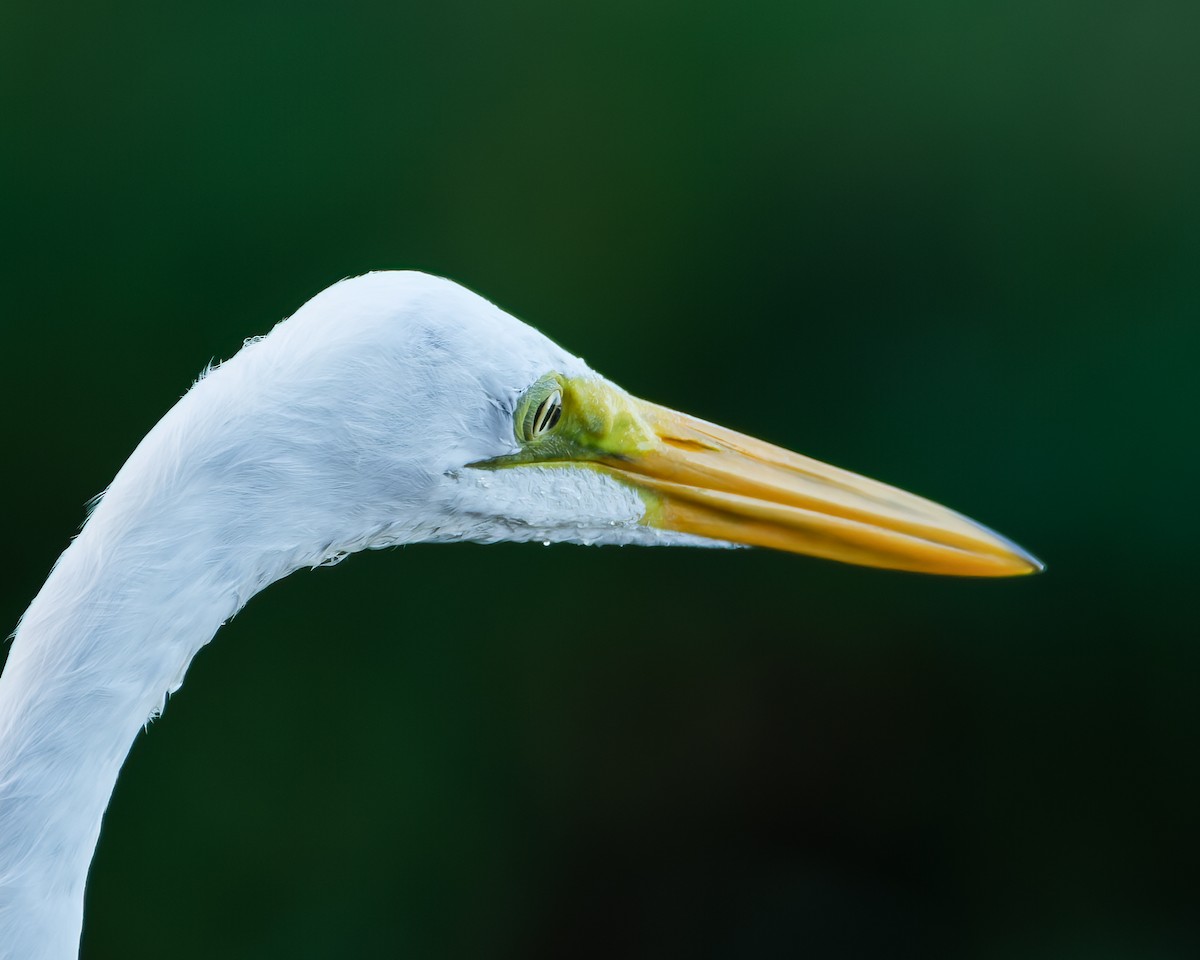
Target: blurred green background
(953, 246)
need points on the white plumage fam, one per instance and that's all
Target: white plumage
(365, 420)
(347, 427)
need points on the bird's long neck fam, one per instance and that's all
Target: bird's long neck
(110, 633)
(195, 523)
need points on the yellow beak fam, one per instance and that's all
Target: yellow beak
(706, 480)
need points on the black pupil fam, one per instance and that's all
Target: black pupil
(547, 418)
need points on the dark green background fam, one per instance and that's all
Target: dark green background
(954, 246)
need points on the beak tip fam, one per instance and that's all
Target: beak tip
(1026, 562)
(1021, 562)
(1035, 565)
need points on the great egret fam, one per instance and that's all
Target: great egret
(391, 408)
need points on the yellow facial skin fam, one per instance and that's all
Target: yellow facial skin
(698, 478)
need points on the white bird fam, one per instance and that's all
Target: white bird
(391, 408)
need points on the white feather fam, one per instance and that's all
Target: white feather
(349, 426)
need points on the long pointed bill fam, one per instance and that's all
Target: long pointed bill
(703, 479)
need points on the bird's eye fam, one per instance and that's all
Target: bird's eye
(546, 415)
(543, 409)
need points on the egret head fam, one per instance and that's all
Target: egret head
(392, 408)
(444, 418)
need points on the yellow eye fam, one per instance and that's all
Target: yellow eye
(542, 409)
